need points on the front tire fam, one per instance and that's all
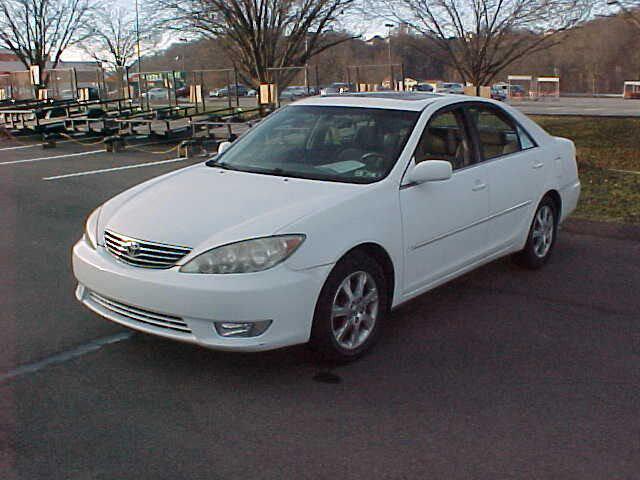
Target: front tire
(542, 236)
(351, 307)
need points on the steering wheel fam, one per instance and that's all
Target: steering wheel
(373, 160)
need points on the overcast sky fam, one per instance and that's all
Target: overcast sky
(373, 27)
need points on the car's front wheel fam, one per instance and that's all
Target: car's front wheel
(350, 309)
(542, 236)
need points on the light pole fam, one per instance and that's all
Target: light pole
(389, 27)
(138, 39)
(184, 51)
(138, 53)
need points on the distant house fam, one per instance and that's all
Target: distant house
(375, 41)
(79, 66)
(9, 62)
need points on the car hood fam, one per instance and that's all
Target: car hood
(201, 207)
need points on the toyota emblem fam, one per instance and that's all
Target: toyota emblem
(132, 248)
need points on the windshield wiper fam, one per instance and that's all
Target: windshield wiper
(214, 163)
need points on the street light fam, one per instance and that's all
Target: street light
(389, 27)
(138, 39)
(184, 51)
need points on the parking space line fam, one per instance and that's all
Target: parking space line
(62, 357)
(106, 170)
(29, 146)
(28, 160)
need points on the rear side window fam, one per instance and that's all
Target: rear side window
(497, 133)
(525, 139)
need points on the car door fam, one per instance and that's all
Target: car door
(444, 225)
(515, 169)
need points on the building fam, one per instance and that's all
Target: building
(9, 62)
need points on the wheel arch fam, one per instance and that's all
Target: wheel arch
(378, 253)
(554, 195)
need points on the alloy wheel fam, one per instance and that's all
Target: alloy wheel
(354, 310)
(543, 229)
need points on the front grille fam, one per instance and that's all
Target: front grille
(141, 253)
(136, 314)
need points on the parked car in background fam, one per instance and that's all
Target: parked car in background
(68, 94)
(293, 92)
(182, 91)
(423, 87)
(157, 93)
(336, 87)
(517, 91)
(238, 90)
(498, 93)
(455, 88)
(278, 239)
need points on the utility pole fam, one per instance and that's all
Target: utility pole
(389, 27)
(184, 41)
(138, 41)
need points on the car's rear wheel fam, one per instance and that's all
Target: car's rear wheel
(542, 236)
(350, 309)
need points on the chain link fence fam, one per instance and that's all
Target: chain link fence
(376, 78)
(220, 88)
(21, 86)
(60, 84)
(293, 83)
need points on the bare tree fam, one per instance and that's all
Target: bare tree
(480, 38)
(112, 36)
(39, 31)
(260, 34)
(629, 8)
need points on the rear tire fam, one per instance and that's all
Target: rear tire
(351, 307)
(542, 236)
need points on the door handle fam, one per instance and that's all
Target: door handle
(536, 166)
(479, 186)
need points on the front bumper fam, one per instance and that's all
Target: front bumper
(183, 306)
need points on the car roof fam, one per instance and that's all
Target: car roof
(411, 101)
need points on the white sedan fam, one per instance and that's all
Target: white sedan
(319, 221)
(156, 94)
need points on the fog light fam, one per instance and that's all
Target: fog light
(242, 329)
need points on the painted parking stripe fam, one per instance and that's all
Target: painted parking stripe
(30, 160)
(114, 169)
(19, 147)
(39, 159)
(63, 357)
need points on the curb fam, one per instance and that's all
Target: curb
(619, 231)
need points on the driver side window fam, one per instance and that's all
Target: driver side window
(445, 138)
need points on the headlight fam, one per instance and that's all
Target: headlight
(91, 228)
(247, 256)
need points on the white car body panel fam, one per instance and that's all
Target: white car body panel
(431, 232)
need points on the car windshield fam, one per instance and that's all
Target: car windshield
(344, 144)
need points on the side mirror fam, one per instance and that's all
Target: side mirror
(223, 146)
(430, 171)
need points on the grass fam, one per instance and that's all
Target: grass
(604, 145)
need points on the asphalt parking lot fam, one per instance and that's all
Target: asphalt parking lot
(604, 106)
(503, 373)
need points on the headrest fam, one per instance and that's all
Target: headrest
(367, 138)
